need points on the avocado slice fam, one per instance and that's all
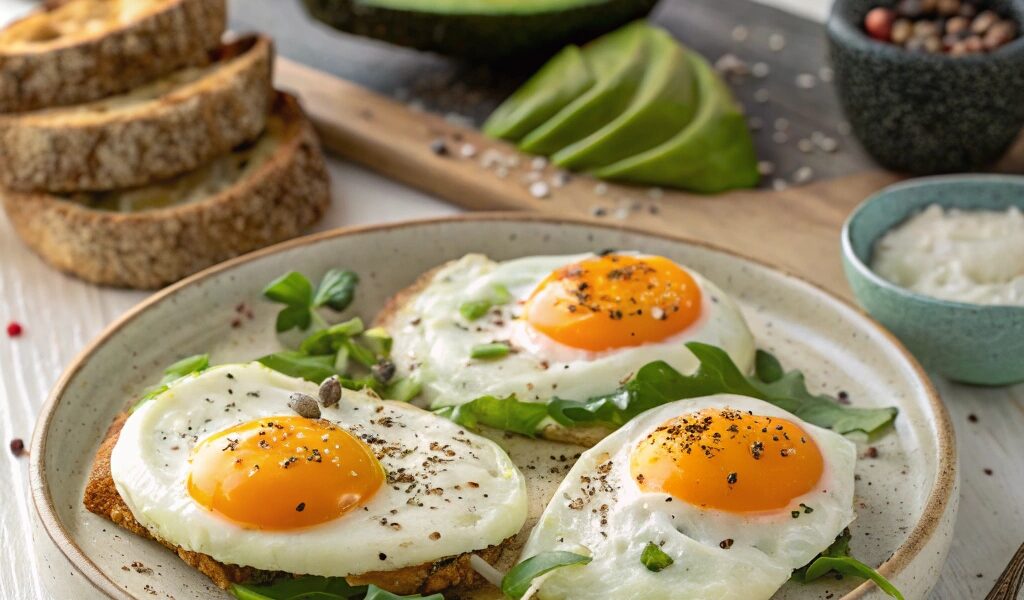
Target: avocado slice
(560, 81)
(480, 30)
(663, 106)
(618, 61)
(713, 153)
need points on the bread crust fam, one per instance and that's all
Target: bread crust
(121, 144)
(71, 69)
(580, 436)
(101, 497)
(152, 248)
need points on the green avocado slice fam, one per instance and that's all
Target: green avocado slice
(665, 103)
(617, 60)
(560, 81)
(713, 153)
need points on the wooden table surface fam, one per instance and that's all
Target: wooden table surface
(61, 315)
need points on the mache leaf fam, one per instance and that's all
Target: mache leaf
(313, 368)
(517, 581)
(196, 363)
(847, 565)
(337, 289)
(507, 414)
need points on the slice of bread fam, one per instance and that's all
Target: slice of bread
(257, 195)
(101, 497)
(82, 50)
(386, 318)
(162, 129)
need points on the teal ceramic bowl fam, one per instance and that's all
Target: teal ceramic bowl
(968, 343)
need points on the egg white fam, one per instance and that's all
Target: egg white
(433, 342)
(150, 467)
(766, 547)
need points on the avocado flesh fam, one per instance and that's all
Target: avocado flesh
(664, 105)
(712, 154)
(560, 81)
(617, 60)
(480, 30)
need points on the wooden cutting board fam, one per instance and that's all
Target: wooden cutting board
(418, 99)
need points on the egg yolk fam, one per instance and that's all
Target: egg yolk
(614, 301)
(283, 473)
(728, 460)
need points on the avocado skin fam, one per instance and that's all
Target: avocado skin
(479, 37)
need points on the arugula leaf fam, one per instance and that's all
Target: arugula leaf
(516, 583)
(309, 587)
(336, 290)
(654, 558)
(837, 558)
(313, 368)
(508, 414)
(196, 363)
(657, 383)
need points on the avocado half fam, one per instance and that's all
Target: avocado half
(480, 30)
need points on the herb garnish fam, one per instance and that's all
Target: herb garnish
(657, 383)
(654, 558)
(184, 367)
(471, 310)
(491, 351)
(308, 587)
(336, 290)
(359, 357)
(837, 558)
(518, 581)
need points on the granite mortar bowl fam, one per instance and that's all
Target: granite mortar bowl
(927, 113)
(969, 343)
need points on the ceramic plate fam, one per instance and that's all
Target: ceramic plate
(906, 496)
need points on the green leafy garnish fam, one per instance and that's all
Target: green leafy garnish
(516, 583)
(507, 414)
(836, 558)
(326, 341)
(654, 558)
(309, 587)
(403, 389)
(336, 290)
(471, 310)
(657, 383)
(296, 363)
(491, 351)
(186, 366)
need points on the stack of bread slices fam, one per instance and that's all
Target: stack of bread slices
(137, 148)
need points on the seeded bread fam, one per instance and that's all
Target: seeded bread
(580, 436)
(101, 497)
(83, 50)
(258, 195)
(159, 130)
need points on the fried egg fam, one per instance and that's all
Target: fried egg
(218, 464)
(736, 492)
(578, 326)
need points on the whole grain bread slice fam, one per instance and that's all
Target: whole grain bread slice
(162, 129)
(258, 195)
(82, 50)
(101, 497)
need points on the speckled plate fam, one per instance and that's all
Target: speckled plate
(906, 496)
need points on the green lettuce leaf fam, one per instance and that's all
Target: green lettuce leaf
(657, 383)
(517, 581)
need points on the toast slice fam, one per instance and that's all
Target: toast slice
(389, 318)
(258, 194)
(82, 50)
(162, 129)
(101, 497)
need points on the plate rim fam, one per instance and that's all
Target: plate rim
(939, 496)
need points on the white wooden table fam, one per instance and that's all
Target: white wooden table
(60, 315)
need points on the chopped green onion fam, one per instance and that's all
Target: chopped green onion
(654, 558)
(474, 309)
(491, 351)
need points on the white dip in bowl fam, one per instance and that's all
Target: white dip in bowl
(961, 255)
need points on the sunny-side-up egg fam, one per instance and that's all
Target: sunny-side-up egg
(220, 465)
(578, 326)
(736, 492)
